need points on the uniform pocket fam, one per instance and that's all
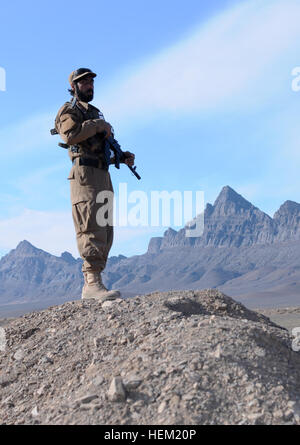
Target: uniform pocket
(85, 175)
(84, 216)
(80, 216)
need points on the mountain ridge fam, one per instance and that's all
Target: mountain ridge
(239, 242)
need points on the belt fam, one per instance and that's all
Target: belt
(89, 162)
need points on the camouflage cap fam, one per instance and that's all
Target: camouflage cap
(79, 74)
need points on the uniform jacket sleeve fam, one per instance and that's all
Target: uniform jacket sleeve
(72, 130)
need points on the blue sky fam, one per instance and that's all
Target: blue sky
(201, 91)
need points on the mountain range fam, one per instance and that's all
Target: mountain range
(242, 251)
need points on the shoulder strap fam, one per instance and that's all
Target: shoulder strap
(74, 102)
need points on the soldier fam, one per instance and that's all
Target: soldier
(83, 128)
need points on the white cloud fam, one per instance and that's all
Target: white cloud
(220, 64)
(50, 231)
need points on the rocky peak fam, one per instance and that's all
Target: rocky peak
(230, 202)
(231, 221)
(29, 274)
(23, 245)
(115, 259)
(287, 210)
(66, 256)
(170, 238)
(26, 248)
(170, 233)
(208, 210)
(154, 244)
(287, 219)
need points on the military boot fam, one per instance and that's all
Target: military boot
(94, 288)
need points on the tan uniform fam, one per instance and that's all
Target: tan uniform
(79, 126)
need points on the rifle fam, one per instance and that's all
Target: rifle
(112, 144)
(109, 144)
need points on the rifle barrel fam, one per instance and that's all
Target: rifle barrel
(133, 169)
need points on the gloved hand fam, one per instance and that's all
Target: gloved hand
(129, 158)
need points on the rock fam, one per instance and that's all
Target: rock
(260, 352)
(175, 399)
(296, 344)
(116, 392)
(278, 414)
(255, 417)
(2, 340)
(296, 340)
(218, 352)
(296, 332)
(132, 383)
(46, 360)
(97, 381)
(161, 407)
(19, 355)
(34, 412)
(288, 414)
(98, 341)
(42, 390)
(87, 398)
(6, 378)
(109, 303)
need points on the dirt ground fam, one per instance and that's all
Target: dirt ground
(5, 321)
(288, 317)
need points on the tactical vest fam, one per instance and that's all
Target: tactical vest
(92, 147)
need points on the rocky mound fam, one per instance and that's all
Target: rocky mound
(186, 357)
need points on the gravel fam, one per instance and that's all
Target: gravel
(172, 358)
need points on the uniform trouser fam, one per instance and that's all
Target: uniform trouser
(89, 207)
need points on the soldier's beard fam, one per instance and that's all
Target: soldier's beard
(85, 97)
